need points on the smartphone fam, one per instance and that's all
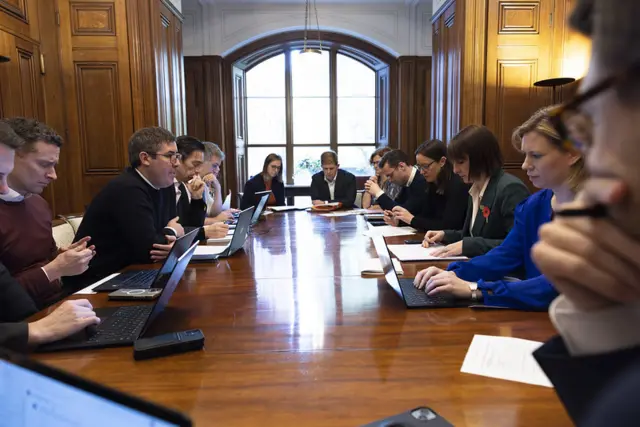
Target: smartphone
(418, 417)
(413, 242)
(135, 294)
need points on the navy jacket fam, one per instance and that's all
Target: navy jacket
(15, 306)
(412, 198)
(344, 191)
(256, 184)
(514, 254)
(503, 193)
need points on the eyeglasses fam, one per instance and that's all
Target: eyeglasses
(173, 157)
(575, 127)
(425, 168)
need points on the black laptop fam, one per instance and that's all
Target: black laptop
(237, 241)
(154, 278)
(36, 395)
(121, 326)
(412, 297)
(262, 204)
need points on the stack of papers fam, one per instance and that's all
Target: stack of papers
(373, 267)
(204, 253)
(226, 239)
(418, 253)
(289, 208)
(388, 231)
(505, 358)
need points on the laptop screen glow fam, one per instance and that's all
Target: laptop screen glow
(29, 399)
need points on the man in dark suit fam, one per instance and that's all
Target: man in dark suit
(593, 259)
(333, 184)
(396, 166)
(15, 303)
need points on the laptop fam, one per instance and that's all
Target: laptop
(153, 278)
(412, 296)
(208, 253)
(33, 394)
(121, 326)
(260, 207)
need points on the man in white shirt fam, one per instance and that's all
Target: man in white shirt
(593, 256)
(333, 184)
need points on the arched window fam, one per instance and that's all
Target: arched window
(301, 104)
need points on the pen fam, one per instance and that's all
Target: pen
(595, 211)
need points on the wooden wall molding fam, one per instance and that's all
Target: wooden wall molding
(15, 8)
(93, 19)
(518, 17)
(414, 101)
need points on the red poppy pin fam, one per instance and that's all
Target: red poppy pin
(485, 212)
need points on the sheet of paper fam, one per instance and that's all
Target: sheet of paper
(374, 266)
(288, 208)
(89, 289)
(418, 253)
(505, 358)
(208, 252)
(226, 205)
(266, 212)
(339, 213)
(221, 240)
(388, 231)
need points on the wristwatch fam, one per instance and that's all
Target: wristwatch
(476, 295)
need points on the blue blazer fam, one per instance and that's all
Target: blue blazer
(535, 292)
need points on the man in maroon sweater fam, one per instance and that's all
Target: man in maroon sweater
(27, 247)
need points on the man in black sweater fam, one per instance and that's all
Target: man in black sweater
(395, 165)
(126, 219)
(15, 303)
(333, 184)
(592, 256)
(189, 187)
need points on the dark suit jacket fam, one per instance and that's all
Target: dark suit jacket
(192, 213)
(15, 305)
(503, 193)
(599, 390)
(256, 184)
(344, 191)
(443, 211)
(412, 198)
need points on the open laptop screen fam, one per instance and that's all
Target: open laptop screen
(264, 197)
(387, 265)
(33, 398)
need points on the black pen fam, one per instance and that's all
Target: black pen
(595, 211)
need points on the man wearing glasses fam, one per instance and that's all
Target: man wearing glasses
(591, 251)
(127, 218)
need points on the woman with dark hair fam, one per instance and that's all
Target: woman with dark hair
(559, 172)
(447, 195)
(269, 179)
(390, 189)
(476, 158)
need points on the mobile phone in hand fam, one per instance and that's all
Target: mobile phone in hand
(413, 242)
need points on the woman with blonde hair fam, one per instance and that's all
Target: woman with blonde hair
(558, 171)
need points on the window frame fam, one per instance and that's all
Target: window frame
(382, 95)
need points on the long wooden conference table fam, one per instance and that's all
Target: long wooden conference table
(296, 337)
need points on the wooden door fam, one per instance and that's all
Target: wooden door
(240, 125)
(519, 53)
(95, 64)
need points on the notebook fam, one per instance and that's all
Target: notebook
(373, 267)
(418, 253)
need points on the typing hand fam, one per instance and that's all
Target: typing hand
(591, 261)
(401, 214)
(432, 237)
(216, 231)
(446, 282)
(161, 251)
(389, 219)
(196, 187)
(225, 215)
(71, 262)
(425, 275)
(176, 226)
(70, 317)
(454, 249)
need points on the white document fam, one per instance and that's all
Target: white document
(339, 213)
(388, 231)
(418, 253)
(203, 253)
(220, 240)
(373, 267)
(505, 358)
(226, 205)
(288, 208)
(89, 289)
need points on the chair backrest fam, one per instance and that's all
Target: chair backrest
(63, 234)
(358, 201)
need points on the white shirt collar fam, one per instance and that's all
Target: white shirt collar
(478, 192)
(412, 176)
(146, 180)
(331, 182)
(12, 196)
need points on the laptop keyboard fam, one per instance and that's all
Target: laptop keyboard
(418, 298)
(124, 325)
(139, 280)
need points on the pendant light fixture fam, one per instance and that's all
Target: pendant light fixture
(307, 17)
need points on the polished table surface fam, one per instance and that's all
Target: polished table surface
(295, 337)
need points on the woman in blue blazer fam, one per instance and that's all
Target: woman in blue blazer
(269, 179)
(559, 173)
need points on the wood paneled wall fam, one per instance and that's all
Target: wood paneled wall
(486, 57)
(94, 70)
(414, 101)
